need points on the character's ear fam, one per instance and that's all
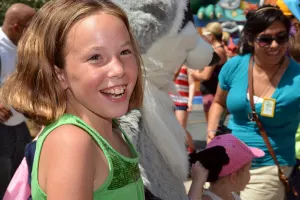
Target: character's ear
(61, 75)
(250, 44)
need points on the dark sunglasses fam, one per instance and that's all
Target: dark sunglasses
(266, 40)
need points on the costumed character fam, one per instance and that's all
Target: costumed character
(168, 39)
(234, 37)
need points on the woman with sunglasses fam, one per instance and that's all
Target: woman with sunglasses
(276, 82)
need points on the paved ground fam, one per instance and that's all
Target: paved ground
(197, 128)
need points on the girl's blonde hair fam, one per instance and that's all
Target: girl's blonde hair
(34, 89)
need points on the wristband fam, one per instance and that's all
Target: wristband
(210, 136)
(214, 131)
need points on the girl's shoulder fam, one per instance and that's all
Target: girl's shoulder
(68, 133)
(69, 153)
(63, 143)
(69, 129)
(68, 139)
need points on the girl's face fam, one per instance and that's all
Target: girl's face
(100, 67)
(243, 177)
(271, 44)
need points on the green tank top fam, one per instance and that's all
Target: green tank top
(124, 180)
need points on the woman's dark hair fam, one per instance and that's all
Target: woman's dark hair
(257, 22)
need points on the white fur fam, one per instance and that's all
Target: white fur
(157, 174)
(181, 6)
(159, 138)
(151, 19)
(165, 130)
(200, 53)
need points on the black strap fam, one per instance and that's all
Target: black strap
(220, 46)
(223, 117)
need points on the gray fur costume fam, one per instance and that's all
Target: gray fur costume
(167, 40)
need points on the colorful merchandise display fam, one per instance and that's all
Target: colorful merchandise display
(224, 10)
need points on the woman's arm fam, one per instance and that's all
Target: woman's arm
(67, 166)
(204, 74)
(217, 108)
(191, 89)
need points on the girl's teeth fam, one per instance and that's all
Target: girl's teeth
(115, 96)
(115, 92)
(111, 91)
(119, 91)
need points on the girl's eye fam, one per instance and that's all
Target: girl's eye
(126, 52)
(95, 57)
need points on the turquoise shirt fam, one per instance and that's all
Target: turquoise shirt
(281, 128)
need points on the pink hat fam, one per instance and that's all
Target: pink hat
(238, 152)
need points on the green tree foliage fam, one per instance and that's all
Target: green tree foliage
(4, 4)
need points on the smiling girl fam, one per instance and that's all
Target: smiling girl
(78, 70)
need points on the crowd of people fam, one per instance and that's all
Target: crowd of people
(75, 69)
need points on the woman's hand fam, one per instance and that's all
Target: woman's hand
(210, 135)
(190, 105)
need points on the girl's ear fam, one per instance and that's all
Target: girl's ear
(61, 75)
(233, 178)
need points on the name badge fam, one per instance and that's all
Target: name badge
(268, 107)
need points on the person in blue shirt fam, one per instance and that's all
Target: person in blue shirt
(276, 78)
